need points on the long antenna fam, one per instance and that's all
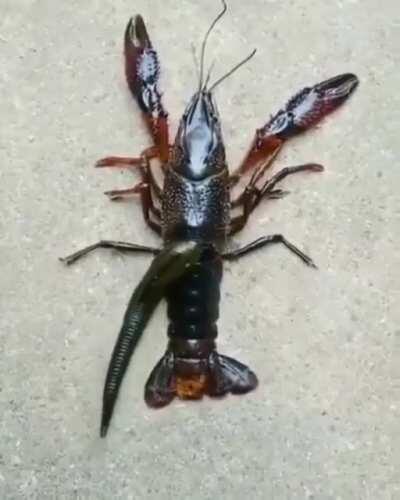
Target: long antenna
(203, 46)
(232, 70)
(195, 60)
(208, 75)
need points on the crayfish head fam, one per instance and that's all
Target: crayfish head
(199, 139)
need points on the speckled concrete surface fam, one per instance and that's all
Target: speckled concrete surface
(324, 423)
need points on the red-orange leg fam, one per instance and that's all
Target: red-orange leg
(260, 151)
(252, 195)
(127, 162)
(257, 174)
(118, 162)
(143, 162)
(148, 207)
(143, 188)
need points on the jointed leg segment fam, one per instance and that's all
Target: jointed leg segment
(266, 240)
(252, 194)
(118, 245)
(144, 188)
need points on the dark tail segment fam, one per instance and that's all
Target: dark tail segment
(169, 265)
(214, 376)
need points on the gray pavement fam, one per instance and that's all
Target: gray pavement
(324, 422)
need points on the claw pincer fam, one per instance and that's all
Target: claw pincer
(302, 111)
(142, 70)
(309, 106)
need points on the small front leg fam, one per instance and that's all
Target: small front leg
(144, 188)
(268, 187)
(119, 245)
(252, 195)
(117, 194)
(148, 207)
(267, 240)
(142, 162)
(127, 162)
(265, 152)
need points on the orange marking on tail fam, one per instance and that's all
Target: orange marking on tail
(192, 386)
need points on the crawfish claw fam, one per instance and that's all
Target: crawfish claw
(309, 106)
(142, 70)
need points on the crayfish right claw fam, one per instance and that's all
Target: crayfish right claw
(338, 87)
(309, 106)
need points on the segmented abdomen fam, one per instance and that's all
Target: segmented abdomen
(193, 302)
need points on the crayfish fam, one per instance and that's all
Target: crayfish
(191, 212)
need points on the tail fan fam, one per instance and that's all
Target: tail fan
(215, 376)
(229, 375)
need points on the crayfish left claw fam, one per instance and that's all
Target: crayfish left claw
(136, 33)
(141, 66)
(142, 71)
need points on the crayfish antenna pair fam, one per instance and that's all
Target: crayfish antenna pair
(192, 212)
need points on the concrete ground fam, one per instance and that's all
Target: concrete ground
(324, 422)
